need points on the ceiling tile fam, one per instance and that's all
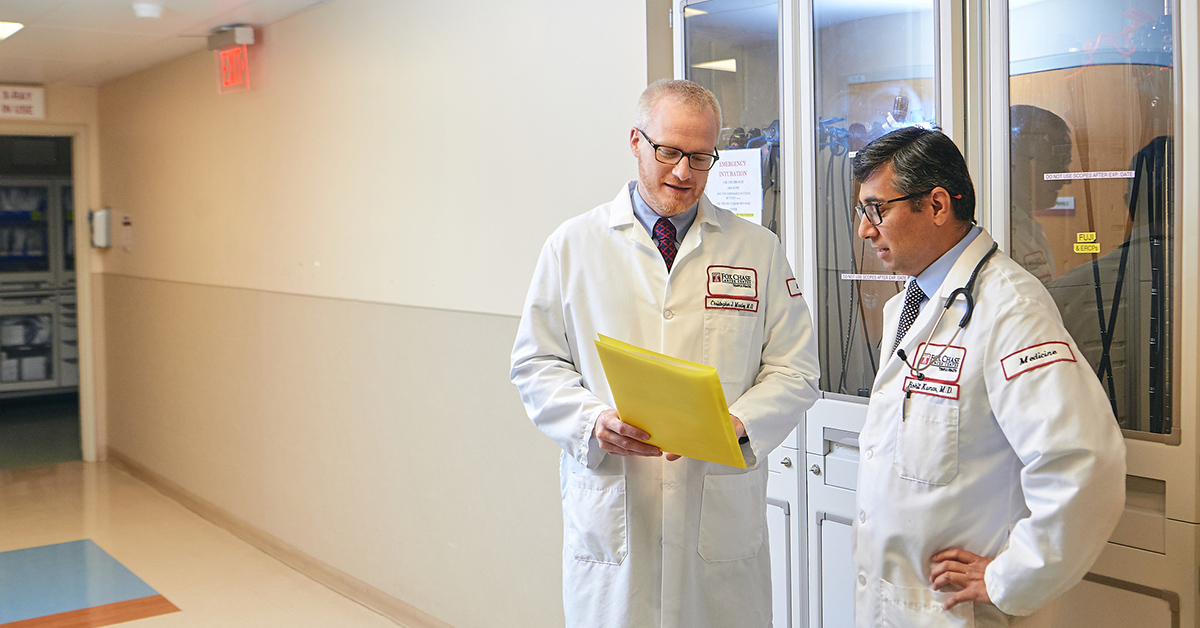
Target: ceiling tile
(38, 42)
(26, 11)
(150, 55)
(93, 41)
(116, 16)
(256, 13)
(37, 71)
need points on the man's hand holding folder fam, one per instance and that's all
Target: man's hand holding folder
(665, 403)
(622, 439)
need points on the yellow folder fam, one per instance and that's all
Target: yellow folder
(680, 403)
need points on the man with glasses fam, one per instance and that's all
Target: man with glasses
(651, 539)
(992, 471)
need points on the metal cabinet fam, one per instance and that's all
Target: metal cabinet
(38, 326)
(831, 458)
(785, 511)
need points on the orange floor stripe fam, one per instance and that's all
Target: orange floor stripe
(97, 616)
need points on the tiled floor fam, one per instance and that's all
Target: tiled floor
(73, 583)
(215, 579)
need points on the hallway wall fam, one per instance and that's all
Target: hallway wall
(310, 328)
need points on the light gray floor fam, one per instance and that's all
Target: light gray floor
(39, 430)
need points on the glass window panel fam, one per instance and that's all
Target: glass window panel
(25, 348)
(732, 48)
(24, 229)
(1091, 126)
(68, 213)
(874, 73)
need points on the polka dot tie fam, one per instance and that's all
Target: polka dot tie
(912, 306)
(664, 235)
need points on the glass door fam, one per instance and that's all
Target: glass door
(26, 344)
(874, 72)
(24, 234)
(732, 48)
(1092, 184)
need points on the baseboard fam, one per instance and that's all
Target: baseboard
(389, 606)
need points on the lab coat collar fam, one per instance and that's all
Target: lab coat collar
(622, 210)
(960, 273)
(621, 217)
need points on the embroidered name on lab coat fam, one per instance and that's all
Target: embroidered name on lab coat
(732, 282)
(946, 367)
(719, 303)
(1037, 356)
(927, 387)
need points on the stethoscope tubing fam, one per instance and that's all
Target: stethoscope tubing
(966, 292)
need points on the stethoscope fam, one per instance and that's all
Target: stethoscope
(967, 293)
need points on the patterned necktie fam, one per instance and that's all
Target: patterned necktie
(912, 306)
(664, 235)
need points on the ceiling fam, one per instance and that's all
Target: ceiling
(88, 42)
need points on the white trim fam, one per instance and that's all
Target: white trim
(994, 195)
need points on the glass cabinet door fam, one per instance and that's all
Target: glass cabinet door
(24, 229)
(67, 199)
(1091, 121)
(732, 48)
(26, 348)
(874, 72)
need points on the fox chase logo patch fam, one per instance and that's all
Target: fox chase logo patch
(732, 282)
(940, 362)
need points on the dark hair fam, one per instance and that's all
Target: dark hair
(1036, 130)
(923, 159)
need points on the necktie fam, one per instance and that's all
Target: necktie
(664, 235)
(913, 297)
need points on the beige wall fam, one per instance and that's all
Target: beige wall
(391, 151)
(311, 331)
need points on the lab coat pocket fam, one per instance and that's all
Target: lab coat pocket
(727, 339)
(733, 516)
(927, 442)
(903, 607)
(594, 518)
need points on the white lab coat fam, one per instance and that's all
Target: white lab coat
(1029, 245)
(650, 542)
(1027, 465)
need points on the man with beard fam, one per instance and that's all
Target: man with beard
(652, 539)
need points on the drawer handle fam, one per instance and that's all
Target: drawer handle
(816, 469)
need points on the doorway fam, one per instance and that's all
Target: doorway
(39, 327)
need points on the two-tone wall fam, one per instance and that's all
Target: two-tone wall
(309, 329)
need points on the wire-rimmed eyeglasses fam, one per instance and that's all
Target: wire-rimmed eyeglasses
(871, 210)
(671, 156)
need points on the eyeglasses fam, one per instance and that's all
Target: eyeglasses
(671, 156)
(871, 210)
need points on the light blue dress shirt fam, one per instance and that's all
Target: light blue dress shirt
(931, 279)
(648, 217)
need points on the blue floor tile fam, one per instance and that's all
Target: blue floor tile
(53, 579)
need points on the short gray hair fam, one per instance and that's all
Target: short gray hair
(682, 91)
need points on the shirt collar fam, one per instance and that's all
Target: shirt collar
(647, 217)
(931, 279)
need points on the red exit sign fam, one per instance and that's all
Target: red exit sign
(233, 69)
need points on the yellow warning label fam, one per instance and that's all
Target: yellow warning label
(1090, 247)
(1085, 236)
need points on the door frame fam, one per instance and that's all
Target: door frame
(91, 416)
